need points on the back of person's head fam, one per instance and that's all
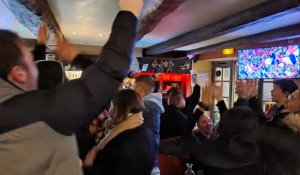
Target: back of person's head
(173, 90)
(125, 102)
(239, 121)
(10, 52)
(176, 98)
(144, 85)
(156, 87)
(51, 74)
(288, 86)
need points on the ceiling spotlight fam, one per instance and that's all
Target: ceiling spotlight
(74, 33)
(190, 56)
(100, 35)
(21, 29)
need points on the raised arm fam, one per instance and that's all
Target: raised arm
(218, 95)
(254, 102)
(192, 101)
(206, 101)
(75, 103)
(39, 51)
(247, 92)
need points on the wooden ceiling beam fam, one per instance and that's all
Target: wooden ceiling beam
(172, 54)
(265, 11)
(284, 33)
(151, 20)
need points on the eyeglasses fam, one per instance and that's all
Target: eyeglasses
(291, 98)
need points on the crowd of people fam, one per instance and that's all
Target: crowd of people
(273, 62)
(52, 126)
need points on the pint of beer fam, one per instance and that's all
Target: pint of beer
(270, 109)
(269, 106)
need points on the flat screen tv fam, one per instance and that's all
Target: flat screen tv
(269, 63)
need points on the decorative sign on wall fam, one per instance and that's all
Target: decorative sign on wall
(178, 65)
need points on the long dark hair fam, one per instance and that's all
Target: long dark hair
(126, 101)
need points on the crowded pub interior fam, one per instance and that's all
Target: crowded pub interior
(140, 87)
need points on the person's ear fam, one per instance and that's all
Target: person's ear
(138, 89)
(286, 93)
(18, 74)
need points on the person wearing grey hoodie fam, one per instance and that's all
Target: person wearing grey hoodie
(145, 85)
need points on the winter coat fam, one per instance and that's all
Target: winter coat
(279, 144)
(129, 153)
(172, 127)
(221, 156)
(192, 101)
(173, 123)
(280, 147)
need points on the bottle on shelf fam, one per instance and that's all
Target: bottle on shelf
(189, 169)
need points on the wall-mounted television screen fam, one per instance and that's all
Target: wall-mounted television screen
(269, 63)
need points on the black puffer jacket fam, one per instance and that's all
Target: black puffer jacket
(129, 153)
(280, 147)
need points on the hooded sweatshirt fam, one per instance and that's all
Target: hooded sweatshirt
(153, 110)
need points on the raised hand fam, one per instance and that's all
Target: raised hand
(134, 6)
(218, 93)
(65, 51)
(252, 88)
(207, 94)
(42, 34)
(241, 89)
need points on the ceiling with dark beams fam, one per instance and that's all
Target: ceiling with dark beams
(193, 26)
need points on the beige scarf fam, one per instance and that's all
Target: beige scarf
(132, 121)
(292, 120)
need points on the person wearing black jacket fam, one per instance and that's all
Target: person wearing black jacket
(144, 85)
(38, 122)
(129, 147)
(228, 153)
(172, 128)
(192, 101)
(278, 143)
(247, 92)
(282, 89)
